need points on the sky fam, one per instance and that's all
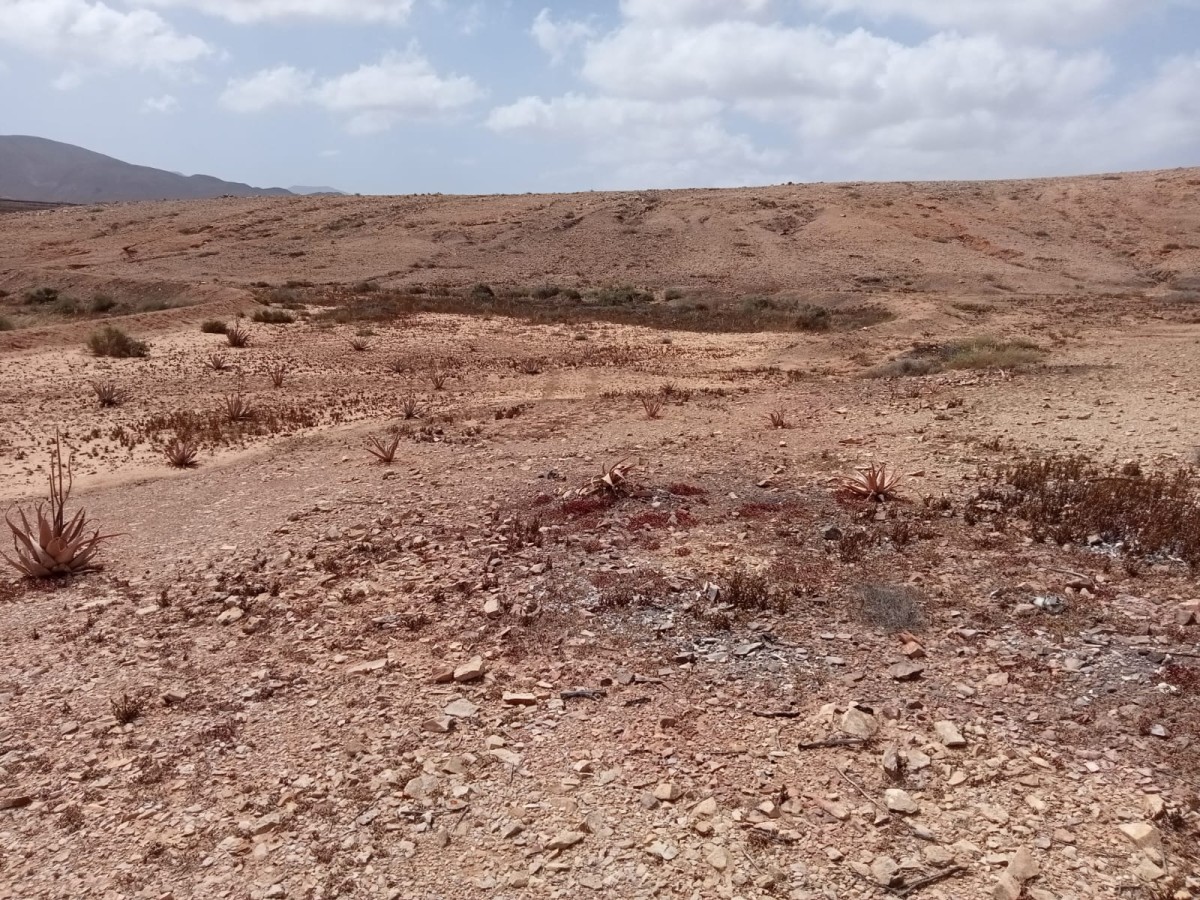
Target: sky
(509, 96)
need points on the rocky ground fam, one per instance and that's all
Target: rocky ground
(302, 673)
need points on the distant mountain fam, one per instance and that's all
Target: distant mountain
(308, 190)
(33, 168)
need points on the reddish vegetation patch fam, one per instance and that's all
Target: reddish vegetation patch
(649, 520)
(584, 506)
(686, 490)
(1186, 678)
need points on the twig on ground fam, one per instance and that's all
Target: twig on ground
(833, 742)
(918, 830)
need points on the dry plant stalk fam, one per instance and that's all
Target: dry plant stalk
(181, 454)
(383, 450)
(54, 547)
(778, 419)
(653, 405)
(874, 482)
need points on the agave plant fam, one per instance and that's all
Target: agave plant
(238, 408)
(613, 481)
(778, 419)
(107, 393)
(237, 336)
(277, 371)
(218, 362)
(653, 405)
(383, 450)
(437, 378)
(410, 406)
(180, 454)
(54, 546)
(874, 482)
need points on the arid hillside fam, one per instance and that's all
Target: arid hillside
(801, 542)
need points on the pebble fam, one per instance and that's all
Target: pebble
(948, 734)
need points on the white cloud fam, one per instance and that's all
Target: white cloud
(251, 11)
(693, 12)
(83, 33)
(163, 105)
(556, 38)
(1033, 19)
(280, 86)
(374, 97)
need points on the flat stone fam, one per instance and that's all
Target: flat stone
(438, 725)
(491, 608)
(938, 856)
(859, 724)
(994, 814)
(369, 666)
(512, 698)
(460, 708)
(231, 615)
(948, 734)
(839, 811)
(423, 787)
(706, 807)
(1145, 836)
(906, 671)
(718, 859)
(472, 670)
(506, 756)
(1006, 888)
(565, 839)
(1148, 871)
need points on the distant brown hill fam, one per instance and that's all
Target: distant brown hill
(37, 169)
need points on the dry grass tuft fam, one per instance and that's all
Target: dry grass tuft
(213, 326)
(383, 449)
(359, 344)
(108, 393)
(218, 362)
(652, 404)
(397, 365)
(180, 454)
(437, 378)
(778, 419)
(53, 546)
(874, 482)
(277, 371)
(891, 607)
(237, 336)
(113, 342)
(410, 407)
(972, 353)
(126, 709)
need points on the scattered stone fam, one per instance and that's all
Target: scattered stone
(859, 724)
(231, 615)
(900, 801)
(906, 671)
(472, 670)
(491, 608)
(565, 839)
(948, 734)
(667, 793)
(718, 859)
(1145, 837)
(994, 814)
(461, 708)
(663, 850)
(511, 698)
(422, 788)
(885, 870)
(438, 725)
(1023, 867)
(19, 801)
(706, 807)
(366, 668)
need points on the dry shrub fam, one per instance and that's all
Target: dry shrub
(437, 379)
(126, 709)
(269, 316)
(1072, 499)
(971, 353)
(54, 546)
(530, 365)
(218, 362)
(277, 372)
(359, 344)
(891, 607)
(410, 407)
(238, 408)
(874, 482)
(213, 326)
(113, 342)
(778, 419)
(653, 405)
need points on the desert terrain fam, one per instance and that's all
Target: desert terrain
(480, 670)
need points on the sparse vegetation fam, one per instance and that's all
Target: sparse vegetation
(126, 709)
(875, 482)
(972, 353)
(213, 326)
(270, 316)
(383, 449)
(218, 362)
(437, 379)
(237, 336)
(891, 607)
(410, 406)
(652, 404)
(778, 419)
(53, 546)
(180, 454)
(277, 372)
(113, 342)
(107, 393)
(238, 408)
(7, 324)
(359, 344)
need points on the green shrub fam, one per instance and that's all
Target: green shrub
(110, 341)
(269, 316)
(971, 353)
(212, 326)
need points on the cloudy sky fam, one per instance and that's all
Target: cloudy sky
(467, 96)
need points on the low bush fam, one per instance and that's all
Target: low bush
(269, 316)
(111, 341)
(212, 326)
(971, 353)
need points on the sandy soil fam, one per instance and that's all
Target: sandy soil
(289, 615)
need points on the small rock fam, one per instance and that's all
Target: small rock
(994, 814)
(1007, 888)
(718, 859)
(472, 670)
(900, 801)
(438, 725)
(707, 808)
(1145, 836)
(663, 850)
(565, 839)
(906, 671)
(461, 708)
(948, 734)
(371, 665)
(1022, 867)
(491, 607)
(884, 870)
(512, 698)
(231, 615)
(859, 724)
(667, 792)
